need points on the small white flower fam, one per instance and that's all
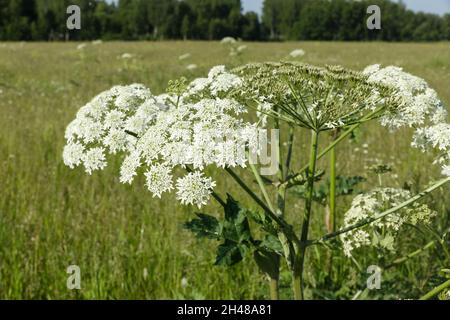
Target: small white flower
(370, 70)
(94, 159)
(129, 166)
(184, 282)
(242, 48)
(116, 140)
(191, 67)
(228, 40)
(195, 189)
(159, 179)
(114, 119)
(297, 53)
(81, 46)
(224, 83)
(126, 56)
(73, 154)
(216, 71)
(198, 85)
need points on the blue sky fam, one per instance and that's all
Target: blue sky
(432, 6)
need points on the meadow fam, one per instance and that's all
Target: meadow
(131, 246)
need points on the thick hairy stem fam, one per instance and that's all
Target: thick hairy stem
(331, 219)
(274, 292)
(300, 261)
(380, 215)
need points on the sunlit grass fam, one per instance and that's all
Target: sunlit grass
(129, 245)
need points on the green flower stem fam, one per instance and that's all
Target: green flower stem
(300, 260)
(261, 185)
(333, 190)
(287, 165)
(436, 291)
(332, 202)
(380, 215)
(341, 138)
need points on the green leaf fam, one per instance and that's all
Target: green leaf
(268, 262)
(272, 244)
(205, 226)
(263, 220)
(235, 226)
(229, 254)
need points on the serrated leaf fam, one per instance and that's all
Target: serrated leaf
(235, 226)
(272, 244)
(228, 254)
(205, 226)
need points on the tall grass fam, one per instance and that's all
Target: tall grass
(130, 246)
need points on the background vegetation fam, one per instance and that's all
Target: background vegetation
(215, 19)
(131, 246)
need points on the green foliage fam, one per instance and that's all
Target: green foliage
(234, 233)
(128, 20)
(205, 227)
(215, 19)
(233, 230)
(346, 20)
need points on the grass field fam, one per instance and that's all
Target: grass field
(130, 246)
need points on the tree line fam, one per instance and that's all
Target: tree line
(45, 20)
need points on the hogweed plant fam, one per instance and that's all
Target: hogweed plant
(224, 120)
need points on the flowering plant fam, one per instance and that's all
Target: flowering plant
(220, 121)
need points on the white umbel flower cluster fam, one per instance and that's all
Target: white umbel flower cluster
(198, 127)
(100, 126)
(421, 109)
(420, 103)
(382, 232)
